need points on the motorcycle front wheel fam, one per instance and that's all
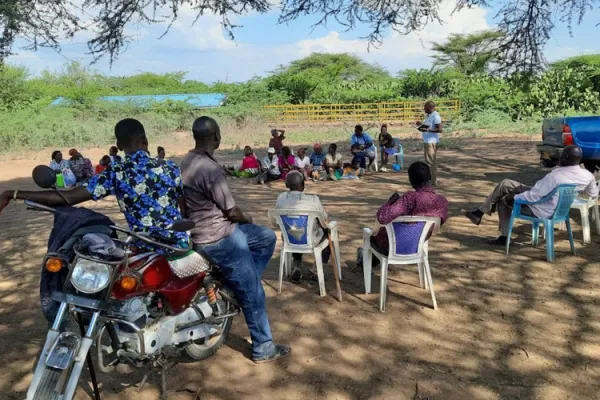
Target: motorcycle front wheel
(48, 385)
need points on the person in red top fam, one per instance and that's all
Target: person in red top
(277, 140)
(249, 162)
(286, 162)
(104, 162)
(424, 202)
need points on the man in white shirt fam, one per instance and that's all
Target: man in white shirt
(295, 199)
(431, 129)
(270, 169)
(505, 193)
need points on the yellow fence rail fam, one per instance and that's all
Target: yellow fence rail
(404, 111)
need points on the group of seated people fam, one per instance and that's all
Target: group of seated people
(78, 169)
(425, 202)
(273, 166)
(280, 160)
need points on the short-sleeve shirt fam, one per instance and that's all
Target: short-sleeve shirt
(300, 201)
(333, 160)
(274, 163)
(388, 139)
(147, 192)
(362, 140)
(317, 159)
(302, 162)
(432, 120)
(249, 162)
(207, 197)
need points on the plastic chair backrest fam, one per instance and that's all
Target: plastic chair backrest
(399, 145)
(408, 234)
(566, 195)
(296, 226)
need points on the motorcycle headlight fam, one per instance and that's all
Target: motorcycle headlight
(90, 276)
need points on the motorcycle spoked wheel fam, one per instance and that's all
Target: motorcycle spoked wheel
(208, 347)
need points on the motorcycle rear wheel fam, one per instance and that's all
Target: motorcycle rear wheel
(47, 387)
(199, 352)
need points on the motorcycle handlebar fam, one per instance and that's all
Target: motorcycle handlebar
(147, 239)
(39, 207)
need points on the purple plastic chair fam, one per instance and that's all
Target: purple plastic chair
(408, 245)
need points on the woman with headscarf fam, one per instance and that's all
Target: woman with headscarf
(81, 167)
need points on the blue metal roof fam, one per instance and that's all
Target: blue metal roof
(199, 100)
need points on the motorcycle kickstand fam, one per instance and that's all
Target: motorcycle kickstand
(164, 392)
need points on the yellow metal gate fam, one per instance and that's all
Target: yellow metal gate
(403, 111)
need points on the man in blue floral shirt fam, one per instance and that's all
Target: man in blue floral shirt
(149, 191)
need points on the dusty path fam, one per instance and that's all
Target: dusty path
(507, 327)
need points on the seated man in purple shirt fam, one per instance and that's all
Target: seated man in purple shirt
(505, 193)
(424, 202)
(227, 236)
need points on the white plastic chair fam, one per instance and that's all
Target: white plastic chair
(376, 160)
(584, 206)
(296, 231)
(408, 245)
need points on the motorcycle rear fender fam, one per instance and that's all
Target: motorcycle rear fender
(63, 350)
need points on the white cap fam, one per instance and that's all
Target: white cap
(271, 150)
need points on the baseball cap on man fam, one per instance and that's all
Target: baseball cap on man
(271, 150)
(273, 131)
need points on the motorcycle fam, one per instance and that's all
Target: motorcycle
(129, 305)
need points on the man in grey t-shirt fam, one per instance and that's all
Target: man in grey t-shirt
(226, 236)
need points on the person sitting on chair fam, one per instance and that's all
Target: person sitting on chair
(362, 148)
(295, 199)
(502, 198)
(387, 145)
(423, 202)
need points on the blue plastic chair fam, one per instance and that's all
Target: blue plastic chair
(566, 195)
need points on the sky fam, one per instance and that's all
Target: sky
(204, 51)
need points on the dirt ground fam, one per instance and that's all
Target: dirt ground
(507, 327)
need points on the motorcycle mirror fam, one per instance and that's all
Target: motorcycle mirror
(182, 225)
(44, 176)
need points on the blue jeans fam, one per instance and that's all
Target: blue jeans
(242, 258)
(360, 158)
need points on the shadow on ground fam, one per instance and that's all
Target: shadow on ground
(509, 327)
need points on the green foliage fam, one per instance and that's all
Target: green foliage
(424, 84)
(468, 53)
(514, 103)
(561, 89)
(311, 79)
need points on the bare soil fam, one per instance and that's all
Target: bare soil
(507, 327)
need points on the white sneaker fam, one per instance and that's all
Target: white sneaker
(383, 169)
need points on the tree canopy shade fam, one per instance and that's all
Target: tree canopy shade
(526, 24)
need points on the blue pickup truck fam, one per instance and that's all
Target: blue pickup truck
(560, 132)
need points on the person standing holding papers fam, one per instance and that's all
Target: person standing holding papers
(431, 129)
